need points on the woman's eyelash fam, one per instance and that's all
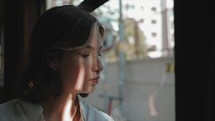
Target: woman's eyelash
(85, 55)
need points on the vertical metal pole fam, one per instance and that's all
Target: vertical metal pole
(121, 57)
(165, 30)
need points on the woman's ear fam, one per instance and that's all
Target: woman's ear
(53, 64)
(52, 61)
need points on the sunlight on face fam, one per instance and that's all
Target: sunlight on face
(91, 62)
(80, 79)
(81, 68)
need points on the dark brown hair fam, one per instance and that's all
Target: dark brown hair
(59, 27)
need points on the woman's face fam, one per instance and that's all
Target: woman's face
(80, 69)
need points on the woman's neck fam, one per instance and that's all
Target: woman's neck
(60, 108)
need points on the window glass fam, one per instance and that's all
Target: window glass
(138, 78)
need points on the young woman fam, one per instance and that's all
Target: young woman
(63, 62)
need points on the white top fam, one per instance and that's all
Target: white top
(18, 110)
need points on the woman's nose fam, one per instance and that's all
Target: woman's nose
(98, 67)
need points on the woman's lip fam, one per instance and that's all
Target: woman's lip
(95, 80)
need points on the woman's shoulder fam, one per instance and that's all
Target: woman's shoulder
(92, 113)
(9, 109)
(18, 109)
(10, 105)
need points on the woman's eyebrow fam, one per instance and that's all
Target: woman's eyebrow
(90, 47)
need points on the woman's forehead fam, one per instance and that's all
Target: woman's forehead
(95, 38)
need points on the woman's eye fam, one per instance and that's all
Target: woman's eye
(85, 55)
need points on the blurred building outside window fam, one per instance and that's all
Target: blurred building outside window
(139, 25)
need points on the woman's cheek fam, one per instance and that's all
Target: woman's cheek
(70, 72)
(88, 70)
